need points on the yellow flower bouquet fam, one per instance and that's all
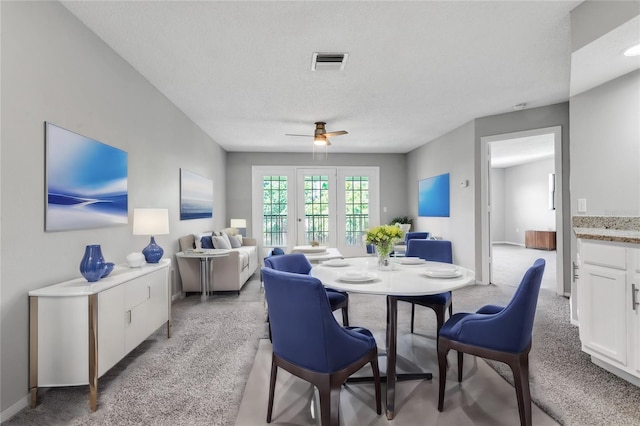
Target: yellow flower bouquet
(383, 237)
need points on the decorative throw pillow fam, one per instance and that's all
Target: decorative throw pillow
(198, 238)
(230, 231)
(235, 241)
(207, 242)
(226, 238)
(221, 243)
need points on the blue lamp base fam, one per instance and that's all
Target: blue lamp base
(153, 252)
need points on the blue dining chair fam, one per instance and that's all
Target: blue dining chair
(499, 333)
(299, 264)
(309, 343)
(415, 235)
(437, 251)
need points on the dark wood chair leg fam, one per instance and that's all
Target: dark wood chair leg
(329, 402)
(520, 369)
(450, 310)
(440, 311)
(345, 316)
(460, 359)
(376, 375)
(442, 372)
(272, 388)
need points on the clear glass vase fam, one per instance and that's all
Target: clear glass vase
(384, 257)
(384, 262)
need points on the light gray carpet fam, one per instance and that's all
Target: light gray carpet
(198, 376)
(510, 260)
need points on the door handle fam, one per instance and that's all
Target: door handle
(634, 299)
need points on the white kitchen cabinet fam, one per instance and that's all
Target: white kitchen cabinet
(79, 330)
(609, 325)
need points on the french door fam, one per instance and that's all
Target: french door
(333, 206)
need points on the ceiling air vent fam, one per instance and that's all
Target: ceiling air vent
(328, 61)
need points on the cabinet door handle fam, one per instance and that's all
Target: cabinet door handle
(148, 292)
(634, 300)
(129, 316)
(574, 269)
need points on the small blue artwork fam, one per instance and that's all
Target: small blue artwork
(196, 196)
(433, 196)
(86, 182)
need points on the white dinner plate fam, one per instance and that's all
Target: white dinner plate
(310, 249)
(410, 260)
(443, 272)
(335, 262)
(356, 277)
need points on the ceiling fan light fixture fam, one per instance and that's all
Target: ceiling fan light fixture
(632, 51)
(320, 140)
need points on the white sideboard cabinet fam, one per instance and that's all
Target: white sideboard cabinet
(609, 306)
(79, 330)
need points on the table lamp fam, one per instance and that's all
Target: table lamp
(240, 225)
(151, 222)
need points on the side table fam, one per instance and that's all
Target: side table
(204, 255)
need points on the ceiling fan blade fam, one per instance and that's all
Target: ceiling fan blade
(306, 136)
(336, 133)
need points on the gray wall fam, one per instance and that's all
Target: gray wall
(605, 148)
(393, 178)
(497, 205)
(526, 200)
(451, 153)
(54, 69)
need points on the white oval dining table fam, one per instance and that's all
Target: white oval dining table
(402, 280)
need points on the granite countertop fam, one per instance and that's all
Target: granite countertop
(622, 229)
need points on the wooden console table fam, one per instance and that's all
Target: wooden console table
(79, 330)
(545, 240)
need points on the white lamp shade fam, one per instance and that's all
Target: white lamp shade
(238, 223)
(150, 221)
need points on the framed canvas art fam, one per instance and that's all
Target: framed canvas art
(433, 196)
(196, 196)
(86, 182)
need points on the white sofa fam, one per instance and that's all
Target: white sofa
(228, 273)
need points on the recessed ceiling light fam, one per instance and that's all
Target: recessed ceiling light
(632, 51)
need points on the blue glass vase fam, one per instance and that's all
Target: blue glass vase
(92, 265)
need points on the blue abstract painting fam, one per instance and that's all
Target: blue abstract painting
(433, 196)
(196, 196)
(86, 182)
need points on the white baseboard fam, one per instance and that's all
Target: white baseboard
(15, 408)
(507, 243)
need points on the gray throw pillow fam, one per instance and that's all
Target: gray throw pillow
(221, 243)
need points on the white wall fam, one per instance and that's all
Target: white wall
(605, 148)
(497, 205)
(451, 153)
(54, 69)
(526, 200)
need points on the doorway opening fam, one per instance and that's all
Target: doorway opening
(522, 218)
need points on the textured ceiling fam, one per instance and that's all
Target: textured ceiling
(416, 70)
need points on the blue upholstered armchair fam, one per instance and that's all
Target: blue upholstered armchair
(310, 344)
(437, 251)
(299, 264)
(499, 333)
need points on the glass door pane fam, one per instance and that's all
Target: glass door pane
(357, 208)
(316, 217)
